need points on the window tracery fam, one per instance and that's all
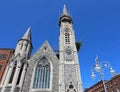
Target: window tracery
(42, 75)
(71, 88)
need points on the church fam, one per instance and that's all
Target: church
(45, 71)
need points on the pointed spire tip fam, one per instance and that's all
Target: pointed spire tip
(27, 35)
(64, 6)
(65, 10)
(29, 28)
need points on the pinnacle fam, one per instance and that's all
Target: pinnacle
(27, 35)
(65, 10)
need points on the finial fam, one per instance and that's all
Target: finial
(65, 10)
(29, 28)
(96, 59)
(27, 35)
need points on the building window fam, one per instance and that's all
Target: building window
(21, 46)
(20, 73)
(115, 82)
(42, 75)
(0, 67)
(67, 37)
(3, 56)
(13, 73)
(26, 45)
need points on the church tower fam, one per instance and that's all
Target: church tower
(69, 72)
(14, 75)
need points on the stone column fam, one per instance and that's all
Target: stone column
(15, 78)
(22, 76)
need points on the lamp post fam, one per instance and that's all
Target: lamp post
(98, 68)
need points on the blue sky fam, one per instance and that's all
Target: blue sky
(96, 24)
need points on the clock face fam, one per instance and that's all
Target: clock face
(68, 54)
(68, 51)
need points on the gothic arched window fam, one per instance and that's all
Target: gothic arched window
(42, 74)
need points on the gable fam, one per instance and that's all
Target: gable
(44, 51)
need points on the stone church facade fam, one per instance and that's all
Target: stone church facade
(45, 71)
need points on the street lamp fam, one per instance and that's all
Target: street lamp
(98, 68)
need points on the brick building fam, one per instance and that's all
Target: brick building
(98, 87)
(5, 55)
(113, 85)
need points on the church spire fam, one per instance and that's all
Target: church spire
(65, 17)
(68, 56)
(27, 35)
(65, 12)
